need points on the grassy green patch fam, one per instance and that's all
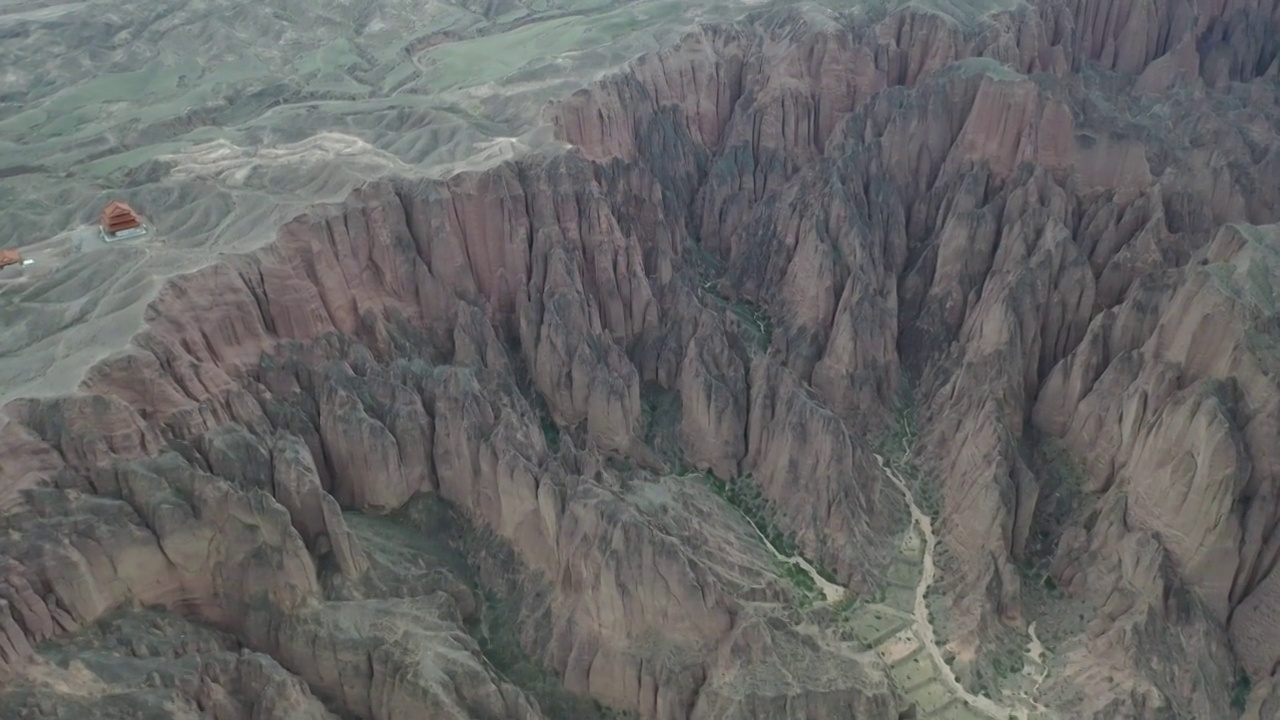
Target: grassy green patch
(872, 625)
(399, 76)
(338, 55)
(746, 498)
(1240, 691)
(800, 578)
(930, 697)
(490, 58)
(914, 672)
(1008, 664)
(904, 574)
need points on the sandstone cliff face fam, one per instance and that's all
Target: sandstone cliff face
(998, 279)
(227, 472)
(1178, 421)
(783, 224)
(147, 665)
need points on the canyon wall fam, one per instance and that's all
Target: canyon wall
(1049, 220)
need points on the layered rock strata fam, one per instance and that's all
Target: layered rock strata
(783, 223)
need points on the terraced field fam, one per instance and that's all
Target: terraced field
(906, 642)
(898, 629)
(889, 628)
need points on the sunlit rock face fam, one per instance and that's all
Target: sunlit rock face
(1055, 221)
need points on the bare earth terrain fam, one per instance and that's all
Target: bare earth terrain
(664, 360)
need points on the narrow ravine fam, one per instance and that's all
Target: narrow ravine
(830, 591)
(1035, 656)
(922, 625)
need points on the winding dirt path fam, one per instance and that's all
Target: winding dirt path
(917, 634)
(830, 591)
(922, 625)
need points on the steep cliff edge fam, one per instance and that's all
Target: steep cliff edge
(978, 227)
(1049, 223)
(340, 369)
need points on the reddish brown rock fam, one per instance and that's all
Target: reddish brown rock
(778, 223)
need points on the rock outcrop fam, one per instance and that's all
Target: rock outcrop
(977, 229)
(227, 447)
(1057, 219)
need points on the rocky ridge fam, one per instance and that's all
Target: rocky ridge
(781, 223)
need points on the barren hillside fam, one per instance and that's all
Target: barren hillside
(662, 360)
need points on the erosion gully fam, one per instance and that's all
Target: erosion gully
(917, 635)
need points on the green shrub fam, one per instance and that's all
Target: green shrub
(551, 433)
(746, 498)
(1240, 692)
